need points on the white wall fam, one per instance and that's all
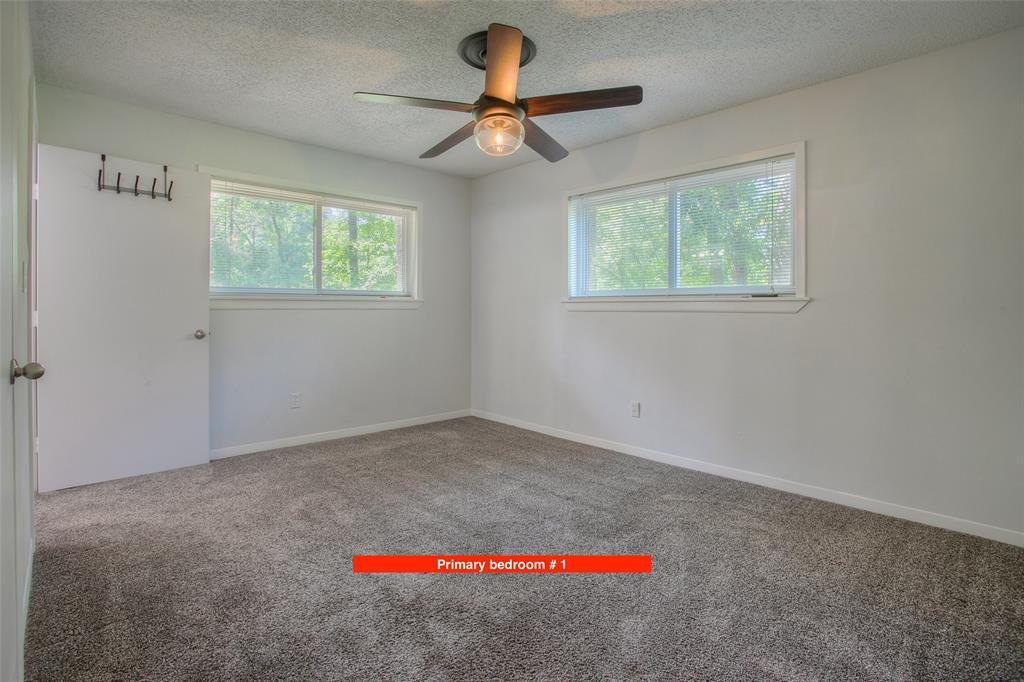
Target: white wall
(16, 489)
(902, 381)
(353, 367)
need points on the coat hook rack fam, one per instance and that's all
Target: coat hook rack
(153, 194)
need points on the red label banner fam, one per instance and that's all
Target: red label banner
(501, 563)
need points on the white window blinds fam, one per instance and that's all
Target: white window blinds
(264, 239)
(725, 231)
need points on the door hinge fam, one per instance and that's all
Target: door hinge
(35, 319)
(35, 445)
(35, 191)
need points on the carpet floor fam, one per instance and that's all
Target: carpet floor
(241, 570)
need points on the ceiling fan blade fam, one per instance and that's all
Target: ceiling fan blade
(504, 52)
(412, 101)
(543, 143)
(450, 141)
(582, 101)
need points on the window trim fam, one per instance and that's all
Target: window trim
(223, 298)
(787, 303)
(310, 302)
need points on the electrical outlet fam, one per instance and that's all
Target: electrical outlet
(294, 401)
(635, 407)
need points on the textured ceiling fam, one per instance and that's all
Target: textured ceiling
(289, 69)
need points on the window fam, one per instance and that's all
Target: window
(727, 231)
(265, 240)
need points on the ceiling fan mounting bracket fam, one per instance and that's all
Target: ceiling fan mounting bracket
(473, 51)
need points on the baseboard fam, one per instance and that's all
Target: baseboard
(1011, 537)
(248, 448)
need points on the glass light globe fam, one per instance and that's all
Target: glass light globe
(499, 135)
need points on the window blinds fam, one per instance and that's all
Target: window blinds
(261, 238)
(725, 231)
(268, 239)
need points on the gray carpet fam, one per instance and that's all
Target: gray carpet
(241, 570)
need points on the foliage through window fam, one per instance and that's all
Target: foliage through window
(266, 240)
(724, 231)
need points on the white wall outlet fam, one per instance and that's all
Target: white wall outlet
(635, 407)
(294, 401)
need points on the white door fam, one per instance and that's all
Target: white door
(122, 288)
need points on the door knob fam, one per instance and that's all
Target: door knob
(200, 334)
(31, 370)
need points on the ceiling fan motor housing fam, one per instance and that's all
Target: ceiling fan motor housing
(490, 106)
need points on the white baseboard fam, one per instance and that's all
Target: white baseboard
(1006, 535)
(248, 448)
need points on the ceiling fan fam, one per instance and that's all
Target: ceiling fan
(501, 121)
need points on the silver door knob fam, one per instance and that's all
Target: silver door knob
(31, 370)
(200, 334)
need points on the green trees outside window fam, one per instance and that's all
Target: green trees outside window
(361, 250)
(724, 231)
(259, 241)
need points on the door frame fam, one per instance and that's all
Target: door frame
(17, 172)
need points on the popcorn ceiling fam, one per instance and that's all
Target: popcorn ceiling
(289, 69)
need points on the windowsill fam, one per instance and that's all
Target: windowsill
(310, 302)
(695, 304)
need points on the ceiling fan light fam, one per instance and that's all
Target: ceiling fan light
(499, 135)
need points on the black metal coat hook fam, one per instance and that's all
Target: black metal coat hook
(167, 190)
(101, 180)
